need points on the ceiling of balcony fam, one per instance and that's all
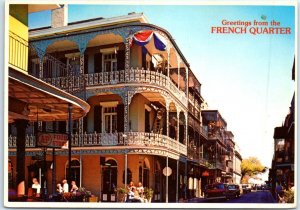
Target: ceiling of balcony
(100, 40)
(41, 7)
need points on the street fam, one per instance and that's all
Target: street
(252, 197)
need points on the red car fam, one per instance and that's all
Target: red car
(222, 191)
(216, 191)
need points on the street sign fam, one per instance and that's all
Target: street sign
(167, 171)
(52, 140)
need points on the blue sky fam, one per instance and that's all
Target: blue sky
(246, 77)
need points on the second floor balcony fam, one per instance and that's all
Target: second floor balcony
(136, 140)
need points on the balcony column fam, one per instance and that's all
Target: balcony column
(177, 174)
(127, 54)
(167, 181)
(70, 130)
(178, 64)
(21, 140)
(185, 179)
(125, 171)
(127, 96)
(41, 68)
(186, 128)
(187, 81)
(168, 62)
(167, 116)
(177, 133)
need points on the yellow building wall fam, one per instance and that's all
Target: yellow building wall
(18, 44)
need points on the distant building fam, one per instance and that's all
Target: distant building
(219, 149)
(282, 171)
(237, 161)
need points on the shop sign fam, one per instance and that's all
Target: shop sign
(52, 140)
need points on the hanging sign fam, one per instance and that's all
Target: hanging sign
(167, 171)
(52, 140)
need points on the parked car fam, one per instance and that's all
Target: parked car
(216, 191)
(246, 188)
(233, 191)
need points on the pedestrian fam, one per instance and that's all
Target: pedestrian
(65, 186)
(74, 187)
(36, 186)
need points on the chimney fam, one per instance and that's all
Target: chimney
(59, 17)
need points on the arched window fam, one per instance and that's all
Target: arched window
(75, 171)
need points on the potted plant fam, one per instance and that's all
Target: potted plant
(121, 193)
(83, 194)
(148, 193)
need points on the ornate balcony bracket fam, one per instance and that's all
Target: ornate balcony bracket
(122, 92)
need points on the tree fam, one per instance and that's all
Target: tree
(251, 166)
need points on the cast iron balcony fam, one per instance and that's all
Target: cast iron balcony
(138, 76)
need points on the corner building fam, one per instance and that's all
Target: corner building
(145, 107)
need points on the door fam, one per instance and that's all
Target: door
(109, 181)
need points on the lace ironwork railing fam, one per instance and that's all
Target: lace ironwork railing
(29, 141)
(129, 139)
(140, 76)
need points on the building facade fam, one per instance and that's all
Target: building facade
(145, 121)
(237, 161)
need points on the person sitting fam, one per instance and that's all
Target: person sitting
(37, 187)
(134, 195)
(130, 185)
(65, 186)
(140, 190)
(59, 188)
(74, 188)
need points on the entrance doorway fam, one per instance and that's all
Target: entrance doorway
(109, 181)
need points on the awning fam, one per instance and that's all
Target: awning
(34, 100)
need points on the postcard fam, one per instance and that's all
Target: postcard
(117, 104)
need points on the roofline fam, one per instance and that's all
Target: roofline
(86, 25)
(57, 35)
